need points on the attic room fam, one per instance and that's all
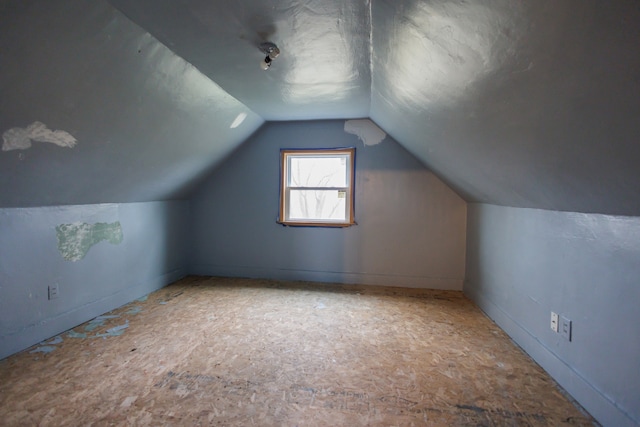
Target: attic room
(496, 173)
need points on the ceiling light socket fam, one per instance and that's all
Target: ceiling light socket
(273, 54)
(271, 51)
(269, 47)
(265, 63)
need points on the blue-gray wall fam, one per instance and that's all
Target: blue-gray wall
(522, 264)
(94, 110)
(410, 232)
(147, 251)
(148, 125)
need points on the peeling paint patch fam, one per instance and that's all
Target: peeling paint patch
(93, 325)
(368, 132)
(115, 331)
(98, 321)
(43, 349)
(56, 340)
(75, 240)
(74, 334)
(134, 310)
(47, 347)
(21, 138)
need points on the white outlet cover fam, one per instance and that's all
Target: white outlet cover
(554, 322)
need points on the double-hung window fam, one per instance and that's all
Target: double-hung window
(316, 187)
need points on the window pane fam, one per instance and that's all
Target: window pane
(315, 171)
(317, 204)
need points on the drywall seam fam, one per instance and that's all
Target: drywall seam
(21, 138)
(367, 131)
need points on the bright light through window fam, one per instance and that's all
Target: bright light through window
(317, 187)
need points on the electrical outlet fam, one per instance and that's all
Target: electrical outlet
(565, 328)
(53, 291)
(554, 322)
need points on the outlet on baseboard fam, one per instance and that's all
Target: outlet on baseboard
(554, 322)
(53, 291)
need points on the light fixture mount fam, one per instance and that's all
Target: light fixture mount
(271, 51)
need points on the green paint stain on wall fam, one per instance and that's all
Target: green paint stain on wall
(75, 240)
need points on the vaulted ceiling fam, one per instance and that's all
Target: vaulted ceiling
(529, 103)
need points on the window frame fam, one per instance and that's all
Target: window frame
(285, 154)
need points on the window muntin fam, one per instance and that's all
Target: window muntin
(317, 187)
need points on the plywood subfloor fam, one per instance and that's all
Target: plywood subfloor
(215, 351)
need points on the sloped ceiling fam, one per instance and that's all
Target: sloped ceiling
(324, 68)
(94, 110)
(520, 103)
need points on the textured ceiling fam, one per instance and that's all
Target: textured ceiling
(322, 72)
(517, 103)
(146, 124)
(529, 103)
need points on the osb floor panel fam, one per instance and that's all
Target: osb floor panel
(214, 351)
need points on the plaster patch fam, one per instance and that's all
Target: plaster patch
(75, 240)
(21, 138)
(368, 132)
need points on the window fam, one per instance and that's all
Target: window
(316, 187)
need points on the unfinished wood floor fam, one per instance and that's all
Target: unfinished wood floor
(235, 352)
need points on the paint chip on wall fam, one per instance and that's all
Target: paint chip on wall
(368, 132)
(75, 240)
(21, 138)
